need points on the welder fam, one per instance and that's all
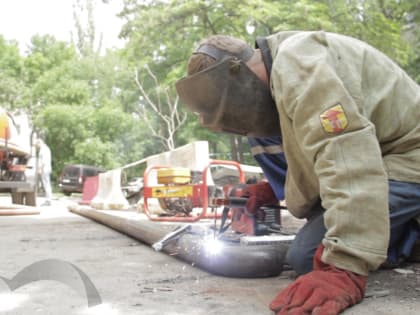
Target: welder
(347, 119)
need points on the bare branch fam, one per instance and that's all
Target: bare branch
(165, 107)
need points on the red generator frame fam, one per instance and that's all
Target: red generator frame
(198, 193)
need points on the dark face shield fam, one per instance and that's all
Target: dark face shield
(230, 97)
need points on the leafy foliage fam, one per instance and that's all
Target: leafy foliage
(162, 34)
(64, 127)
(87, 104)
(11, 74)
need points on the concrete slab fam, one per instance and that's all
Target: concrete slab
(131, 278)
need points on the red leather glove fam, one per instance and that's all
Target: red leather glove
(259, 194)
(326, 290)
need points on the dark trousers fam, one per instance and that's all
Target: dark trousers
(404, 205)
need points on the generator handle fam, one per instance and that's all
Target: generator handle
(228, 163)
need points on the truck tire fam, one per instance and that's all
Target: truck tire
(17, 198)
(30, 199)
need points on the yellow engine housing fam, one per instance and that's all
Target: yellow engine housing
(173, 175)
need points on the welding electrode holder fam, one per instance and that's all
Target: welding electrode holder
(159, 245)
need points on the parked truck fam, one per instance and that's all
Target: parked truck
(18, 165)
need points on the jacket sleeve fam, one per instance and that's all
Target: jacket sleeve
(334, 135)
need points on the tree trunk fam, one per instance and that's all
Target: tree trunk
(236, 148)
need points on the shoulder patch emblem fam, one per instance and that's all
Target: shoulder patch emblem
(334, 119)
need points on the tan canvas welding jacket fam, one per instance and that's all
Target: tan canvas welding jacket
(350, 121)
(229, 97)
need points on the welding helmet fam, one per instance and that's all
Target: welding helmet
(229, 97)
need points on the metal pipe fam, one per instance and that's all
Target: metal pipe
(145, 231)
(10, 212)
(234, 260)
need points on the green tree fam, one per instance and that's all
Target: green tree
(162, 34)
(407, 14)
(64, 127)
(86, 35)
(44, 54)
(44, 70)
(11, 74)
(61, 85)
(90, 106)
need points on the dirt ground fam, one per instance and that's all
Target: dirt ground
(131, 278)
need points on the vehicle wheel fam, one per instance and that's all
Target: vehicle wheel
(17, 198)
(67, 193)
(30, 199)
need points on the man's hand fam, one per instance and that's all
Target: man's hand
(260, 194)
(326, 290)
